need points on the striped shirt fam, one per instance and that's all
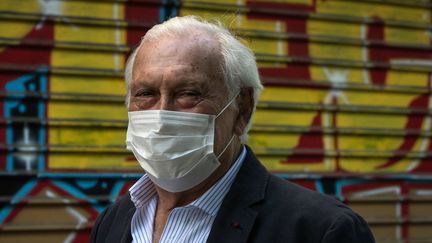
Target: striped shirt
(190, 223)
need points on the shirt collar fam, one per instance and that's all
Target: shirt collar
(143, 190)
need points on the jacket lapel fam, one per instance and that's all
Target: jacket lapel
(236, 216)
(127, 236)
(120, 231)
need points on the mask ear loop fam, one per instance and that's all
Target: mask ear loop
(232, 138)
(228, 105)
(228, 144)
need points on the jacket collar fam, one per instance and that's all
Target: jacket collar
(236, 216)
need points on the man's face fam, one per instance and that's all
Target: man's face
(183, 74)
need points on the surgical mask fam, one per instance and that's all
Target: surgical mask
(176, 149)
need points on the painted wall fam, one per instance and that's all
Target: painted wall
(346, 110)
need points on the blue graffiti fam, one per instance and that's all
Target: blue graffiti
(168, 9)
(17, 198)
(26, 137)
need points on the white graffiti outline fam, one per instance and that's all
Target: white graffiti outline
(81, 219)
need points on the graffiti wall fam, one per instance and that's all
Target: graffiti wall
(346, 110)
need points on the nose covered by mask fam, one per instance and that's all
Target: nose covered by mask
(176, 149)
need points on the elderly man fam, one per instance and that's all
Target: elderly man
(191, 90)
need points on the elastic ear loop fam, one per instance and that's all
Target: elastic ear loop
(232, 138)
(228, 105)
(230, 141)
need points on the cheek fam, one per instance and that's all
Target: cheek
(132, 107)
(224, 127)
(135, 106)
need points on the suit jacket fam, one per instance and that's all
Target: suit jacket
(259, 207)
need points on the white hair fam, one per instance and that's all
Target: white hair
(238, 63)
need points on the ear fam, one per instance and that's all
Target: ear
(245, 103)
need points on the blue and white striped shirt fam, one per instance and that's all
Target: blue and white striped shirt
(190, 223)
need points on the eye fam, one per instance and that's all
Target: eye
(144, 98)
(188, 98)
(189, 93)
(144, 93)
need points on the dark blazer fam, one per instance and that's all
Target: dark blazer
(259, 207)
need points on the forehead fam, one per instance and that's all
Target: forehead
(198, 51)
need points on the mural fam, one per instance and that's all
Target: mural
(346, 110)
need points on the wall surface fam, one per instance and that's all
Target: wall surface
(346, 110)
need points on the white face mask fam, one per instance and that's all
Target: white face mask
(174, 148)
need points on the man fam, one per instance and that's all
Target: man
(191, 90)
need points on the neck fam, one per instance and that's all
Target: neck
(169, 200)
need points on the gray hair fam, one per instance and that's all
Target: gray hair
(238, 64)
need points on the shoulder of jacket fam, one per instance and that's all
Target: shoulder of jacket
(120, 207)
(122, 204)
(294, 197)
